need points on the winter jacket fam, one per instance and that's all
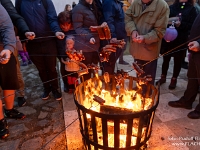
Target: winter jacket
(7, 34)
(188, 15)
(114, 16)
(17, 20)
(151, 23)
(41, 21)
(83, 17)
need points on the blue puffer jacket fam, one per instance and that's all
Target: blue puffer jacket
(114, 16)
(41, 20)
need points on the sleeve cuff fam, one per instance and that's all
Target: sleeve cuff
(9, 47)
(146, 38)
(114, 35)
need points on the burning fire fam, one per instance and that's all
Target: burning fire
(123, 99)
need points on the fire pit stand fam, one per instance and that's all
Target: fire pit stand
(123, 131)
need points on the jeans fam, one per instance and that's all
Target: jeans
(43, 54)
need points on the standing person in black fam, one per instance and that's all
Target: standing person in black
(84, 15)
(24, 32)
(41, 17)
(113, 15)
(186, 14)
(193, 74)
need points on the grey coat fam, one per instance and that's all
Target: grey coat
(7, 34)
(83, 18)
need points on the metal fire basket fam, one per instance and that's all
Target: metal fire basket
(96, 129)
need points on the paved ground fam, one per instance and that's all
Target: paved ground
(44, 120)
(171, 126)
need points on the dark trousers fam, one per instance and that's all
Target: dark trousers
(177, 64)
(110, 65)
(193, 83)
(90, 57)
(43, 55)
(149, 69)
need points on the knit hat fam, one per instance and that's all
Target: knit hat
(70, 37)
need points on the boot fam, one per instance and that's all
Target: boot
(172, 85)
(162, 80)
(3, 129)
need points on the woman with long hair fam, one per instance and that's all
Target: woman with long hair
(183, 13)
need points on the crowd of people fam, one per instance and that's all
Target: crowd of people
(47, 36)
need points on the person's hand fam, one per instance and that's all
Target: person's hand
(139, 39)
(5, 56)
(113, 40)
(104, 24)
(134, 35)
(177, 23)
(194, 46)
(30, 35)
(60, 35)
(92, 41)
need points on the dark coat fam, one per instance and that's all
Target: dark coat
(83, 17)
(41, 21)
(114, 16)
(17, 20)
(187, 18)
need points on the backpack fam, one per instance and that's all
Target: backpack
(18, 5)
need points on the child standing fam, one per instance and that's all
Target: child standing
(22, 53)
(71, 63)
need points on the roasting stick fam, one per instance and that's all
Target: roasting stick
(173, 50)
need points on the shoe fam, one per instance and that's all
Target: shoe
(179, 104)
(24, 64)
(194, 114)
(172, 85)
(30, 62)
(57, 95)
(21, 101)
(66, 89)
(123, 62)
(162, 80)
(14, 114)
(184, 65)
(46, 94)
(4, 133)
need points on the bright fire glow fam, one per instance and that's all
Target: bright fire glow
(119, 98)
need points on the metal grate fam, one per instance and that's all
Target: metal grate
(97, 130)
